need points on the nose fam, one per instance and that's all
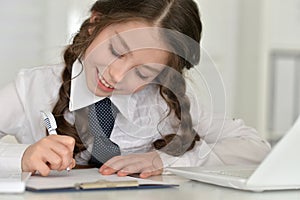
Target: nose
(118, 70)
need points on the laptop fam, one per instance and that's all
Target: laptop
(280, 170)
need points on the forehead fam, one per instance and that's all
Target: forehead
(138, 36)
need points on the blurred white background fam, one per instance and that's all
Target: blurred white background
(254, 43)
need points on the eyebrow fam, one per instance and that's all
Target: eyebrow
(125, 45)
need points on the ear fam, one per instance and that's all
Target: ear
(95, 16)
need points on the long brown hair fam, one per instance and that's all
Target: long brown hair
(178, 15)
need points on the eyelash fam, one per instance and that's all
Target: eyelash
(114, 52)
(140, 74)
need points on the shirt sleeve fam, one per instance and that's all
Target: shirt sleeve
(223, 142)
(11, 122)
(11, 156)
(21, 101)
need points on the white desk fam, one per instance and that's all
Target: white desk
(188, 190)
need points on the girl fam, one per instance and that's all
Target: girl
(120, 101)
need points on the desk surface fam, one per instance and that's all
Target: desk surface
(190, 190)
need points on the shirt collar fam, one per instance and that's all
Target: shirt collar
(81, 96)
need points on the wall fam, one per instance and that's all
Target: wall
(281, 65)
(269, 36)
(220, 29)
(21, 36)
(35, 32)
(249, 62)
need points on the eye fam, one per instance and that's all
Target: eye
(114, 52)
(140, 74)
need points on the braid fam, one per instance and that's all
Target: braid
(173, 89)
(71, 54)
(173, 86)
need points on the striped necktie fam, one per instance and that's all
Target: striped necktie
(101, 122)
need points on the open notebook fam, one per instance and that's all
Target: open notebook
(88, 179)
(278, 171)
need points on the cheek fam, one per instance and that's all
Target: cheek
(100, 56)
(131, 84)
(90, 80)
(89, 72)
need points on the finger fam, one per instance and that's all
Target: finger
(67, 141)
(60, 144)
(108, 165)
(53, 159)
(150, 172)
(130, 169)
(108, 171)
(45, 152)
(123, 173)
(146, 174)
(73, 164)
(104, 167)
(110, 162)
(43, 169)
(66, 156)
(114, 165)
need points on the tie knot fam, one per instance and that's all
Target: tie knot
(105, 101)
(106, 107)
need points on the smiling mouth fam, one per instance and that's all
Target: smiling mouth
(103, 84)
(102, 80)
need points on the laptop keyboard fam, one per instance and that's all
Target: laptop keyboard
(234, 173)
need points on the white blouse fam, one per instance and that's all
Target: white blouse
(223, 142)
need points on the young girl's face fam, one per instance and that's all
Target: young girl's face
(123, 58)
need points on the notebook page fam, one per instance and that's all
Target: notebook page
(64, 179)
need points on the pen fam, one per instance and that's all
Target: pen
(50, 124)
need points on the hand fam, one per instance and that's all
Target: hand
(147, 164)
(54, 152)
